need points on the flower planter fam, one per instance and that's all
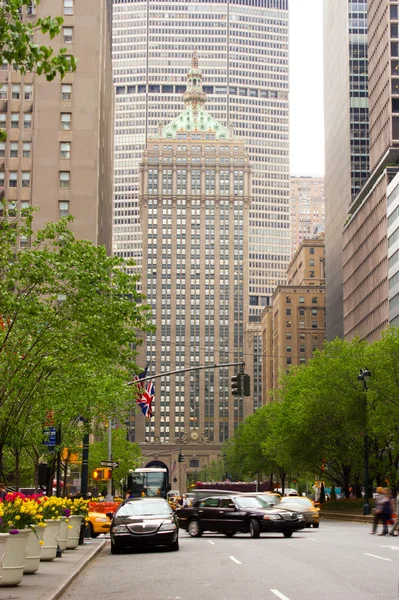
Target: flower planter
(50, 539)
(34, 549)
(3, 542)
(75, 522)
(63, 535)
(13, 560)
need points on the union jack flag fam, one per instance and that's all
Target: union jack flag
(145, 401)
(138, 379)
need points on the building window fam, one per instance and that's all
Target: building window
(288, 324)
(3, 92)
(301, 324)
(302, 361)
(1, 179)
(28, 91)
(68, 35)
(314, 299)
(65, 149)
(66, 121)
(288, 348)
(66, 92)
(31, 9)
(311, 274)
(2, 149)
(14, 150)
(314, 324)
(27, 121)
(302, 348)
(25, 179)
(15, 91)
(289, 361)
(288, 336)
(288, 312)
(288, 300)
(311, 250)
(26, 149)
(68, 7)
(302, 312)
(14, 120)
(301, 299)
(23, 241)
(63, 208)
(12, 182)
(64, 180)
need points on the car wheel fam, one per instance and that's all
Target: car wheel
(92, 534)
(229, 533)
(287, 534)
(254, 528)
(175, 546)
(115, 549)
(316, 525)
(194, 528)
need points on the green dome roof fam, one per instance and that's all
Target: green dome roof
(191, 120)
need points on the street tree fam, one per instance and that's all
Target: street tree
(71, 321)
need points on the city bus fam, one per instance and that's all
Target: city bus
(149, 481)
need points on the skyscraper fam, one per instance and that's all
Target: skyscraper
(243, 49)
(58, 152)
(195, 197)
(307, 209)
(346, 136)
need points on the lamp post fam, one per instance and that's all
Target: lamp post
(364, 376)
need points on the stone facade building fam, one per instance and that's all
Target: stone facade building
(307, 209)
(194, 207)
(294, 327)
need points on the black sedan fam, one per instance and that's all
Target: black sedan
(232, 514)
(144, 522)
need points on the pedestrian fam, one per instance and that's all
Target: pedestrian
(128, 494)
(3, 491)
(396, 522)
(382, 511)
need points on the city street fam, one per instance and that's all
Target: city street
(336, 561)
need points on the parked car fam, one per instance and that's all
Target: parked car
(98, 523)
(242, 513)
(144, 522)
(305, 506)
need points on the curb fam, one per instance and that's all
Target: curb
(337, 516)
(66, 581)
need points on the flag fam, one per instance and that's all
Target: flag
(138, 379)
(145, 401)
(173, 468)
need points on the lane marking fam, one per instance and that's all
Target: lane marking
(235, 560)
(213, 543)
(279, 595)
(391, 547)
(313, 540)
(375, 556)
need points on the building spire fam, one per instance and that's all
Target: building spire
(194, 97)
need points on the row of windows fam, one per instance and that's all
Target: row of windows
(14, 149)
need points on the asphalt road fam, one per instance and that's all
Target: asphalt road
(338, 561)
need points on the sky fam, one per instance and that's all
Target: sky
(306, 87)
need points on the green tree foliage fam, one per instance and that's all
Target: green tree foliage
(127, 454)
(69, 318)
(17, 45)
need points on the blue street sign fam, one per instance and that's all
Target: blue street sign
(49, 434)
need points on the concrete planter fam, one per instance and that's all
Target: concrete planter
(75, 522)
(13, 559)
(63, 535)
(34, 549)
(50, 539)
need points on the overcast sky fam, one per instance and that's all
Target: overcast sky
(306, 87)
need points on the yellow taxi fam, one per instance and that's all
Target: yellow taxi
(98, 523)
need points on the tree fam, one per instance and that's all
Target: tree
(17, 45)
(70, 317)
(127, 454)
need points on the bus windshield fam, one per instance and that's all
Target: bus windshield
(149, 483)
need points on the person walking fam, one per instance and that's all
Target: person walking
(382, 511)
(396, 523)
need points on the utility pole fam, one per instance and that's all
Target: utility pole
(109, 497)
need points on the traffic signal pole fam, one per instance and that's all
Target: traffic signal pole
(200, 368)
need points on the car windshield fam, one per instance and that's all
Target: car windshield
(248, 502)
(296, 500)
(140, 509)
(268, 500)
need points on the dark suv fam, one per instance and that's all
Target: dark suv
(232, 514)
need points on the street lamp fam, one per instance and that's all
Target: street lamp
(364, 376)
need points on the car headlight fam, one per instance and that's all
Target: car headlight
(272, 518)
(119, 529)
(101, 520)
(168, 527)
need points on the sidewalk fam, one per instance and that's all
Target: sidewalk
(53, 577)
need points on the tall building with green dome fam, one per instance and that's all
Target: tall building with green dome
(195, 196)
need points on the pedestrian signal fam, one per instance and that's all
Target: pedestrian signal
(101, 474)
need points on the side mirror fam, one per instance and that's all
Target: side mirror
(109, 515)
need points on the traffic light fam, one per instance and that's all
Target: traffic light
(246, 384)
(181, 457)
(236, 385)
(101, 474)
